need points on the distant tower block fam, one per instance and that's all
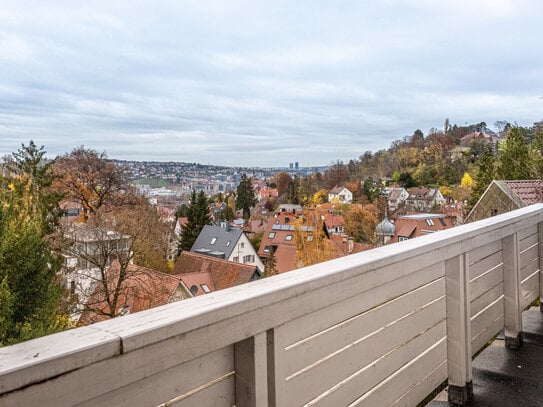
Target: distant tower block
(291, 166)
(296, 165)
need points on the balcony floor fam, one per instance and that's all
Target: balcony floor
(506, 377)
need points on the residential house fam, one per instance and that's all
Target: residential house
(181, 222)
(424, 199)
(279, 239)
(334, 224)
(92, 251)
(340, 194)
(420, 224)
(396, 196)
(505, 196)
(267, 193)
(204, 274)
(142, 289)
(228, 243)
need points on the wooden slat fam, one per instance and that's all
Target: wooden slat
(529, 269)
(482, 266)
(523, 233)
(375, 373)
(481, 252)
(480, 285)
(171, 383)
(314, 348)
(529, 290)
(423, 388)
(484, 336)
(395, 386)
(529, 241)
(486, 317)
(529, 255)
(486, 299)
(220, 394)
(312, 323)
(339, 366)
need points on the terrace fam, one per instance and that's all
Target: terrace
(380, 328)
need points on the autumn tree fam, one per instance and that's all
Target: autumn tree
(270, 266)
(30, 288)
(536, 155)
(89, 178)
(361, 223)
(281, 180)
(197, 217)
(312, 246)
(245, 196)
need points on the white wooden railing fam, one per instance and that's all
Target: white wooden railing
(378, 328)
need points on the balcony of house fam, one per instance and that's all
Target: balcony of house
(380, 328)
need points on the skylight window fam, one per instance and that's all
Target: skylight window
(228, 243)
(213, 240)
(288, 237)
(205, 288)
(271, 235)
(430, 222)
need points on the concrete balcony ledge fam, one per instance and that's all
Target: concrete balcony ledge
(505, 377)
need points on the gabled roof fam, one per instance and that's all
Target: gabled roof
(410, 226)
(219, 241)
(336, 190)
(143, 289)
(217, 274)
(528, 191)
(332, 221)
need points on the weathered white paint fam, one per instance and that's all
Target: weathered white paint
(382, 327)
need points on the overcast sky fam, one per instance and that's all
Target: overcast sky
(257, 83)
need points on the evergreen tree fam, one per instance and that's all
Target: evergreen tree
(514, 157)
(270, 266)
(30, 292)
(536, 155)
(197, 217)
(292, 191)
(485, 174)
(245, 196)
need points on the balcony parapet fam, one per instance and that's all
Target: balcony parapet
(381, 327)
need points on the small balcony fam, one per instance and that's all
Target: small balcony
(380, 328)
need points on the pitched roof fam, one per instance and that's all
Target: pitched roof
(415, 225)
(142, 289)
(336, 190)
(529, 191)
(332, 221)
(219, 241)
(217, 274)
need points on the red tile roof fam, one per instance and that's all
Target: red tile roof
(143, 289)
(222, 273)
(530, 191)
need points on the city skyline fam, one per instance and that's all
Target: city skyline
(259, 84)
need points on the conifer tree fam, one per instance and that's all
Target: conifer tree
(197, 217)
(485, 175)
(30, 291)
(514, 156)
(245, 196)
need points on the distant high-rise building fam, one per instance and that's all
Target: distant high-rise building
(291, 166)
(296, 165)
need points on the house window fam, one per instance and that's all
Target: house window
(271, 235)
(235, 258)
(430, 222)
(288, 237)
(228, 243)
(267, 249)
(310, 238)
(250, 258)
(213, 240)
(401, 238)
(242, 245)
(205, 288)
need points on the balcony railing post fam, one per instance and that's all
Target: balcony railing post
(250, 361)
(458, 331)
(511, 291)
(540, 233)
